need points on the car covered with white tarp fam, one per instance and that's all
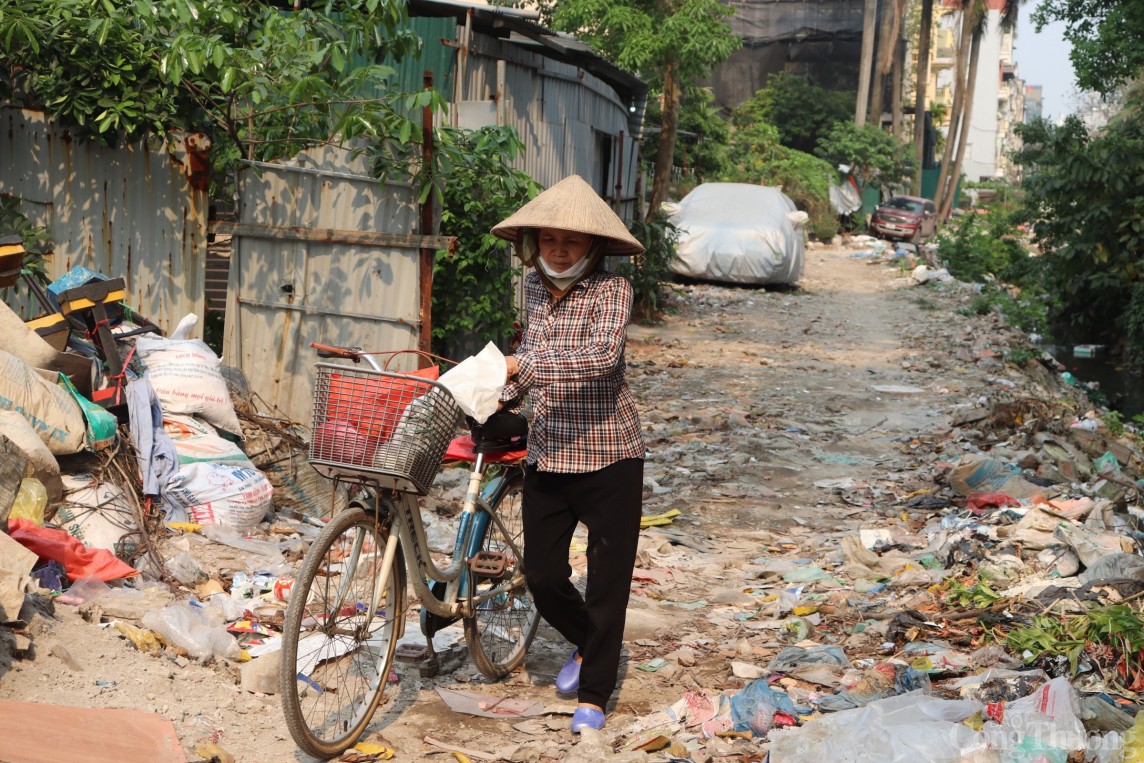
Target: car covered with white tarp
(738, 233)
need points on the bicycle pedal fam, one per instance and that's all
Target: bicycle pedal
(489, 564)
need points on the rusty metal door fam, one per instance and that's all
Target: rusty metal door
(324, 253)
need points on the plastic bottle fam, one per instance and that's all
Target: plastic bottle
(1134, 741)
(31, 501)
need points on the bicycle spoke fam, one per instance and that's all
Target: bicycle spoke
(343, 650)
(505, 618)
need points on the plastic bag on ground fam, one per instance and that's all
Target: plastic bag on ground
(754, 706)
(1115, 567)
(190, 628)
(979, 474)
(1051, 715)
(908, 728)
(794, 657)
(230, 537)
(1089, 546)
(78, 560)
(31, 501)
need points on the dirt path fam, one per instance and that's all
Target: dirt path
(749, 398)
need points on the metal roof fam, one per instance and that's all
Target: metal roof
(519, 27)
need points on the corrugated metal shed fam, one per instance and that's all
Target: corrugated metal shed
(323, 253)
(576, 112)
(128, 211)
(437, 54)
(570, 121)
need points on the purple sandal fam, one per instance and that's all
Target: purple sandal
(568, 680)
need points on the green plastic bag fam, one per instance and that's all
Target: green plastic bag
(101, 424)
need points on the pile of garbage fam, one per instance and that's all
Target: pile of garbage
(121, 448)
(993, 615)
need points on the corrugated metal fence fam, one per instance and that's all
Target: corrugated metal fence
(129, 211)
(322, 253)
(570, 121)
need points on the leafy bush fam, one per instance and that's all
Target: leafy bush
(1085, 203)
(473, 287)
(876, 157)
(647, 272)
(757, 156)
(801, 112)
(1028, 313)
(1113, 636)
(981, 245)
(264, 83)
(701, 148)
(1134, 325)
(1004, 196)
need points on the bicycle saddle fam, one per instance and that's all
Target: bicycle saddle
(501, 432)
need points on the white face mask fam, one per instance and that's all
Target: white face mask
(573, 272)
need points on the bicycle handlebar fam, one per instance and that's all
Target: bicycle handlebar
(356, 354)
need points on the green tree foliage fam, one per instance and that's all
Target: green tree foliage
(874, 155)
(1084, 198)
(1107, 39)
(670, 43)
(649, 270)
(264, 82)
(802, 112)
(267, 82)
(473, 287)
(978, 246)
(703, 134)
(757, 156)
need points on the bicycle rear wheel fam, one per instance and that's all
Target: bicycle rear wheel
(336, 653)
(500, 631)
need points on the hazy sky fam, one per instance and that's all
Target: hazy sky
(1043, 59)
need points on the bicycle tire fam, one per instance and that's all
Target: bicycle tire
(500, 631)
(332, 685)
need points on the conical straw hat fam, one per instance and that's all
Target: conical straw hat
(571, 204)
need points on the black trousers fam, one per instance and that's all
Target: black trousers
(608, 502)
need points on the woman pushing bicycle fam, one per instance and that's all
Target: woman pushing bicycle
(585, 447)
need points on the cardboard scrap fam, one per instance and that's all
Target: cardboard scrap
(488, 705)
(31, 732)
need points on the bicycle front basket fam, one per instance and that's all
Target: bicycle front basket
(388, 428)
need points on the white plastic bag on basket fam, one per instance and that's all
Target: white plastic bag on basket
(477, 381)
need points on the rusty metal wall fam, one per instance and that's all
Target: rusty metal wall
(129, 211)
(317, 286)
(557, 109)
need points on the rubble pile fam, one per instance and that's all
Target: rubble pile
(974, 597)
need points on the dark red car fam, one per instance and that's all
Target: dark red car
(905, 218)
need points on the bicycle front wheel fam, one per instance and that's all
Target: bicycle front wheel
(503, 625)
(340, 634)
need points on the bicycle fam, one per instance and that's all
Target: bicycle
(383, 436)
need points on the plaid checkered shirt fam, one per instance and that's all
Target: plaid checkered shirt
(572, 367)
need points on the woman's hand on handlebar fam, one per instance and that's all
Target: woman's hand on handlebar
(513, 367)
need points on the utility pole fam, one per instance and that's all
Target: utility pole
(920, 92)
(869, 22)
